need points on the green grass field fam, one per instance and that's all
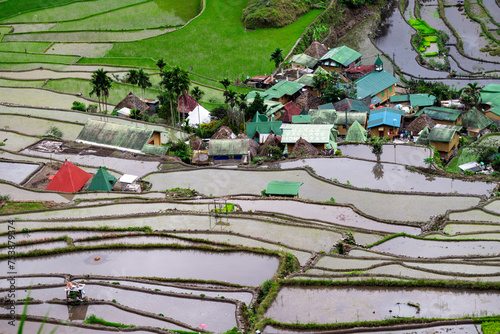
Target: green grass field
(32, 47)
(21, 57)
(21, 83)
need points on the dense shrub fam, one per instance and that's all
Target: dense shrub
(79, 106)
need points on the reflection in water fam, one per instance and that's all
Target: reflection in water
(77, 312)
(430, 177)
(378, 171)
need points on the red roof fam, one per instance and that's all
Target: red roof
(290, 110)
(186, 103)
(69, 179)
(362, 69)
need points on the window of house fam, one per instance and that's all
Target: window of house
(390, 89)
(383, 93)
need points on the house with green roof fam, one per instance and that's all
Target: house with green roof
(301, 119)
(303, 61)
(377, 86)
(284, 91)
(444, 139)
(420, 100)
(308, 81)
(423, 137)
(121, 137)
(351, 105)
(440, 115)
(260, 128)
(323, 116)
(384, 124)
(475, 121)
(490, 101)
(102, 181)
(356, 132)
(321, 136)
(339, 58)
(283, 188)
(345, 119)
(229, 150)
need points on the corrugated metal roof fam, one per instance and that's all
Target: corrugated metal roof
(443, 114)
(351, 105)
(301, 119)
(313, 133)
(444, 135)
(306, 80)
(376, 100)
(490, 92)
(342, 55)
(352, 117)
(264, 127)
(399, 98)
(290, 110)
(422, 100)
(356, 132)
(286, 188)
(154, 149)
(475, 119)
(393, 110)
(324, 116)
(258, 117)
(304, 60)
(116, 135)
(384, 118)
(326, 106)
(222, 147)
(283, 88)
(373, 83)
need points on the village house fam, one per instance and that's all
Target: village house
(316, 50)
(351, 105)
(319, 135)
(229, 151)
(414, 100)
(260, 128)
(345, 120)
(287, 112)
(308, 81)
(356, 133)
(340, 58)
(284, 91)
(303, 61)
(283, 188)
(384, 124)
(444, 139)
(475, 122)
(440, 115)
(377, 86)
(323, 116)
(490, 101)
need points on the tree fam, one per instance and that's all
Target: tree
(143, 81)
(321, 81)
(161, 64)
(135, 114)
(197, 93)
(176, 82)
(277, 57)
(257, 105)
(132, 77)
(471, 95)
(101, 84)
(225, 82)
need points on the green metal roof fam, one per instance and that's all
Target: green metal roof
(489, 93)
(326, 106)
(283, 88)
(356, 132)
(378, 62)
(373, 83)
(475, 119)
(352, 117)
(423, 137)
(116, 135)
(154, 149)
(342, 55)
(399, 98)
(286, 188)
(313, 133)
(102, 181)
(253, 93)
(306, 80)
(444, 135)
(304, 60)
(222, 147)
(422, 100)
(323, 116)
(443, 114)
(258, 117)
(350, 105)
(264, 127)
(320, 70)
(301, 119)
(272, 107)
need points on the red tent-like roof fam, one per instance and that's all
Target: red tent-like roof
(69, 178)
(290, 110)
(186, 103)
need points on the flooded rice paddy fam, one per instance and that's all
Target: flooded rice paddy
(246, 268)
(316, 305)
(401, 154)
(451, 329)
(385, 176)
(16, 172)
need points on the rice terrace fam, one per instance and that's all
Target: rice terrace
(250, 166)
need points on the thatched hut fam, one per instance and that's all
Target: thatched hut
(316, 50)
(196, 143)
(308, 101)
(133, 102)
(253, 146)
(224, 132)
(419, 123)
(271, 141)
(303, 147)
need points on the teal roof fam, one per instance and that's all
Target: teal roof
(283, 88)
(286, 188)
(373, 83)
(313, 133)
(356, 132)
(378, 62)
(301, 119)
(393, 110)
(384, 118)
(490, 93)
(399, 98)
(264, 127)
(154, 149)
(475, 119)
(304, 60)
(375, 100)
(444, 135)
(323, 116)
(306, 80)
(422, 100)
(342, 55)
(223, 147)
(102, 181)
(351, 105)
(439, 113)
(272, 107)
(352, 117)
(326, 106)
(258, 117)
(253, 93)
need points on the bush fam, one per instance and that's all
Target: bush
(55, 132)
(92, 108)
(338, 153)
(79, 106)
(114, 113)
(182, 150)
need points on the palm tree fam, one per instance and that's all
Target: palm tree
(132, 77)
(143, 81)
(197, 93)
(176, 81)
(225, 82)
(101, 84)
(471, 95)
(161, 64)
(277, 57)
